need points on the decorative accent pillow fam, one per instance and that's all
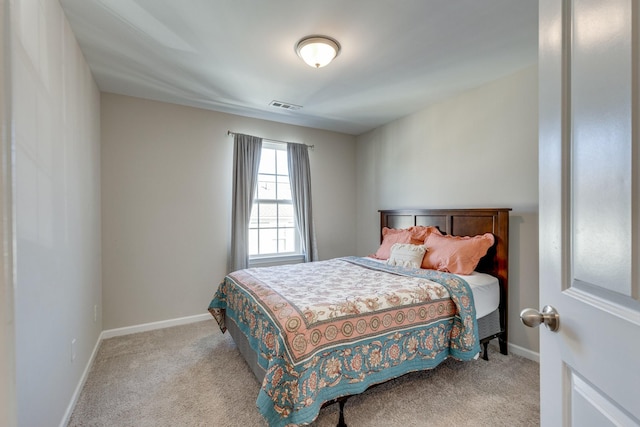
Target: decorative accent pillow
(455, 254)
(420, 232)
(391, 236)
(406, 255)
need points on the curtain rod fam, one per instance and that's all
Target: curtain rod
(229, 133)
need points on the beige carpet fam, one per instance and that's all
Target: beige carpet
(193, 375)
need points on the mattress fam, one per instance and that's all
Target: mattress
(486, 292)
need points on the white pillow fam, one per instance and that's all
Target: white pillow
(406, 255)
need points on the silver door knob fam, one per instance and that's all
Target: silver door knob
(549, 316)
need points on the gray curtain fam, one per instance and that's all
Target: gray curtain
(246, 161)
(300, 177)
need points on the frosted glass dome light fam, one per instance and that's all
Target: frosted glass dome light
(317, 51)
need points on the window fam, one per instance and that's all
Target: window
(272, 229)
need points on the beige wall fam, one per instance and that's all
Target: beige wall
(55, 107)
(477, 149)
(166, 199)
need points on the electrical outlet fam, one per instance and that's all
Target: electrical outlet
(95, 313)
(73, 350)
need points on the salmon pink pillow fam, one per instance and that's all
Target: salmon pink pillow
(420, 232)
(455, 254)
(391, 236)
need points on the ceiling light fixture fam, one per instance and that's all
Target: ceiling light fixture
(317, 51)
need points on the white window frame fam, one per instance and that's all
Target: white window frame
(277, 257)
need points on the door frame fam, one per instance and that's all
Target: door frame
(8, 398)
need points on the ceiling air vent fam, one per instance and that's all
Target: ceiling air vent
(285, 105)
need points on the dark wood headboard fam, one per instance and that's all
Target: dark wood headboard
(466, 222)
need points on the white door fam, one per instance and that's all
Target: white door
(590, 211)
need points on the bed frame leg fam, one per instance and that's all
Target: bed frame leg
(341, 402)
(503, 345)
(485, 354)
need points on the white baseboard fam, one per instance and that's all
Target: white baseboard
(83, 379)
(526, 353)
(110, 333)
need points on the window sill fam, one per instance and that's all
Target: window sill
(268, 261)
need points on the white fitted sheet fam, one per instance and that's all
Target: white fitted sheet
(486, 292)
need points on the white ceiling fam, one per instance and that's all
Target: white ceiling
(236, 56)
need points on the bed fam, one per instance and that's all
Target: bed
(317, 333)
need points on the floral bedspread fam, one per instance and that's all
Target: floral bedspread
(333, 328)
